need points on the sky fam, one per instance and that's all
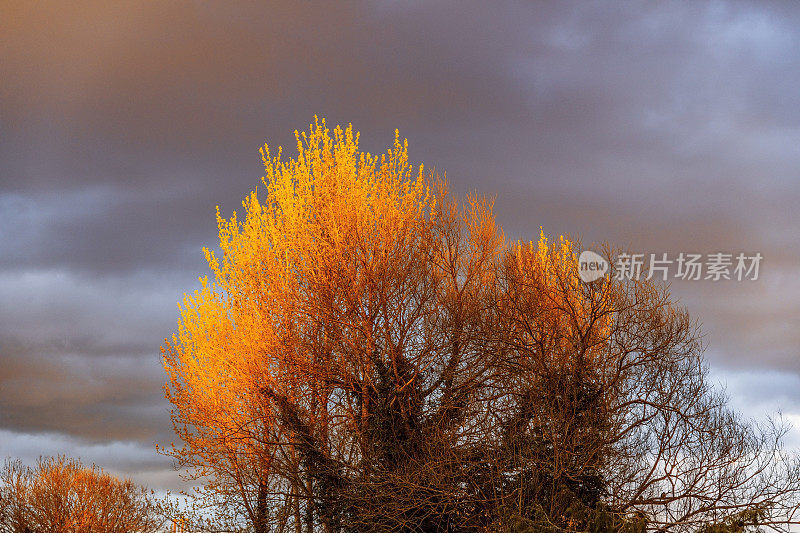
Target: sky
(660, 127)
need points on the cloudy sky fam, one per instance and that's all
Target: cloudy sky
(657, 126)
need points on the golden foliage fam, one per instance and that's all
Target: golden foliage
(60, 495)
(347, 255)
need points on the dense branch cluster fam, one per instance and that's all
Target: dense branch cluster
(373, 356)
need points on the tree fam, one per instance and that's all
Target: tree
(616, 407)
(372, 356)
(60, 495)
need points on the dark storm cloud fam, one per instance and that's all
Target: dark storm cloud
(110, 398)
(80, 355)
(108, 230)
(662, 127)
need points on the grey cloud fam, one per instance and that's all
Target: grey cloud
(656, 126)
(122, 458)
(105, 231)
(80, 355)
(116, 397)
